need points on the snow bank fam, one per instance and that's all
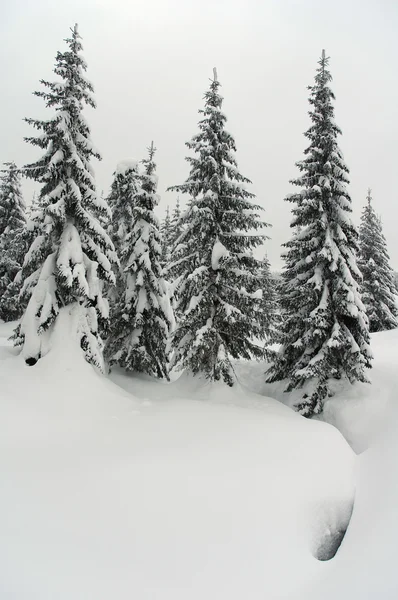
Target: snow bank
(367, 415)
(146, 490)
(365, 566)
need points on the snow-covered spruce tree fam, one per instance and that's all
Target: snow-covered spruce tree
(124, 188)
(379, 293)
(269, 314)
(166, 237)
(12, 205)
(71, 255)
(324, 333)
(12, 241)
(142, 318)
(176, 225)
(217, 278)
(13, 303)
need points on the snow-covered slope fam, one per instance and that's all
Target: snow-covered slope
(136, 489)
(365, 565)
(361, 411)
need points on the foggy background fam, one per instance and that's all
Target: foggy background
(150, 63)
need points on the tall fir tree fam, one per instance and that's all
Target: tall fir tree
(324, 334)
(71, 256)
(12, 241)
(379, 293)
(166, 237)
(142, 317)
(217, 277)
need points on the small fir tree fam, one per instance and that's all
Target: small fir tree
(379, 293)
(176, 225)
(166, 237)
(13, 303)
(125, 186)
(12, 205)
(142, 318)
(216, 275)
(324, 333)
(269, 314)
(124, 189)
(33, 206)
(71, 255)
(12, 241)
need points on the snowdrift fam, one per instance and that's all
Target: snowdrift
(137, 489)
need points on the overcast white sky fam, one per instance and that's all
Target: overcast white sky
(150, 62)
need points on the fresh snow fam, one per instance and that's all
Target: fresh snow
(127, 488)
(128, 164)
(218, 253)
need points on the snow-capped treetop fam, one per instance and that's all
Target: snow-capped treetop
(149, 181)
(325, 328)
(124, 189)
(379, 292)
(126, 165)
(214, 177)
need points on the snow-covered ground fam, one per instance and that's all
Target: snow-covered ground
(129, 488)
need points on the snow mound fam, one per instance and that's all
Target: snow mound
(148, 490)
(365, 566)
(367, 415)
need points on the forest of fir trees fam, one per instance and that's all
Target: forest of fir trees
(194, 292)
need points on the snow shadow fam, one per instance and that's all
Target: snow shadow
(329, 524)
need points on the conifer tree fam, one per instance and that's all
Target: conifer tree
(12, 205)
(217, 277)
(176, 225)
(269, 315)
(12, 241)
(71, 255)
(104, 217)
(124, 189)
(13, 303)
(324, 333)
(379, 293)
(166, 237)
(142, 318)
